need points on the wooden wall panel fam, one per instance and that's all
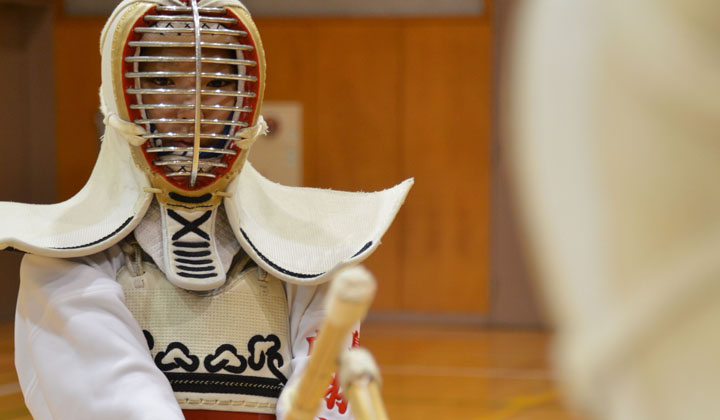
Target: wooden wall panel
(359, 141)
(26, 117)
(359, 75)
(446, 123)
(77, 81)
(291, 53)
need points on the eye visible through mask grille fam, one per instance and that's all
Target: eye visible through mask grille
(192, 82)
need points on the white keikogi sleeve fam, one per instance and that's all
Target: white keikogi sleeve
(307, 311)
(79, 352)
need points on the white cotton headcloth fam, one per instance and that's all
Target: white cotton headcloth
(149, 236)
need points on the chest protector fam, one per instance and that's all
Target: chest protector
(226, 350)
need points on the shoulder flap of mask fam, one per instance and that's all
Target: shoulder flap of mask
(303, 235)
(106, 210)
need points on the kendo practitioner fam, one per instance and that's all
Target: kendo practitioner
(179, 282)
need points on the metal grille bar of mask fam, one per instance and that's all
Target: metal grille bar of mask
(190, 81)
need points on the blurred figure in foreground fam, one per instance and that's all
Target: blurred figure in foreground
(615, 123)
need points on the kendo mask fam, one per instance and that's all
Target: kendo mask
(190, 77)
(187, 81)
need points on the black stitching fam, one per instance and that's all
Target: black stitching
(149, 338)
(275, 266)
(212, 364)
(190, 200)
(189, 363)
(191, 244)
(197, 276)
(186, 268)
(189, 207)
(127, 222)
(215, 383)
(189, 226)
(180, 253)
(363, 249)
(194, 262)
(274, 358)
(288, 272)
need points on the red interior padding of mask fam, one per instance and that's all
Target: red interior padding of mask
(246, 117)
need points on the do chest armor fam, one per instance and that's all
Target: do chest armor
(228, 349)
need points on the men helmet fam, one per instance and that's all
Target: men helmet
(192, 77)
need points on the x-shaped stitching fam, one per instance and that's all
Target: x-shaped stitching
(190, 226)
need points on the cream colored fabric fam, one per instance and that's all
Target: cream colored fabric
(224, 339)
(97, 217)
(156, 239)
(303, 235)
(616, 145)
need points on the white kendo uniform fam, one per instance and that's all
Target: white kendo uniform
(80, 352)
(146, 294)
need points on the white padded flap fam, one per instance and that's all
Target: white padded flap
(302, 234)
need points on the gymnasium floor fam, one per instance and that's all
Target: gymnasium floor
(429, 373)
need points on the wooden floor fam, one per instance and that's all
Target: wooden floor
(429, 373)
(11, 401)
